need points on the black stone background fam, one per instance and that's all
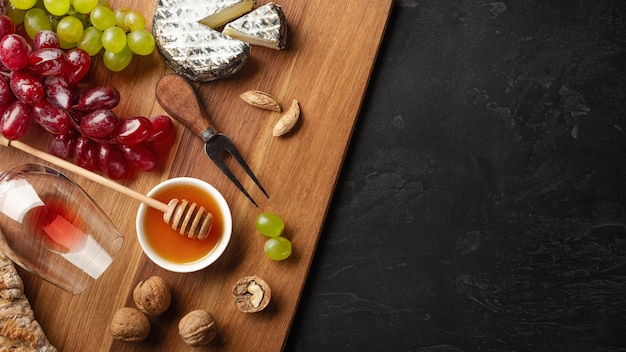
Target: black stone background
(482, 203)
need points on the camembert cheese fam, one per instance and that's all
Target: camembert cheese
(191, 48)
(228, 11)
(266, 26)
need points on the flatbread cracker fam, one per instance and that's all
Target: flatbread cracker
(19, 330)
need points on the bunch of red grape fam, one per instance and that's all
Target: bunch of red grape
(40, 83)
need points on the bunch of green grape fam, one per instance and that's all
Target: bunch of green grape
(91, 25)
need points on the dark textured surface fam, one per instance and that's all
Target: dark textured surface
(482, 203)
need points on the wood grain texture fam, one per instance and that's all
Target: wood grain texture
(326, 66)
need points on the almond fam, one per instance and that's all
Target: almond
(288, 120)
(260, 100)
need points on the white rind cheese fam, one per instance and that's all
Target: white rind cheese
(266, 26)
(228, 11)
(192, 49)
(196, 10)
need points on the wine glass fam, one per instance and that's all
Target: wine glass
(52, 228)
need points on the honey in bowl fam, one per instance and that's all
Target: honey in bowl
(167, 247)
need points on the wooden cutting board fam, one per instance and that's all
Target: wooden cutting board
(327, 65)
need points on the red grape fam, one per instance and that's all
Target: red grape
(6, 26)
(112, 161)
(46, 39)
(47, 62)
(26, 87)
(14, 52)
(6, 96)
(3, 108)
(86, 153)
(141, 156)
(99, 123)
(98, 98)
(58, 91)
(53, 119)
(133, 130)
(162, 128)
(78, 65)
(63, 145)
(15, 120)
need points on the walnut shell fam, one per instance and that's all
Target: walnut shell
(197, 328)
(251, 294)
(152, 296)
(129, 325)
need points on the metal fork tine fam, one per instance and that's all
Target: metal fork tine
(235, 153)
(213, 149)
(217, 159)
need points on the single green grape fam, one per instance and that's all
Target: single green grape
(102, 18)
(120, 15)
(114, 39)
(16, 15)
(84, 6)
(277, 248)
(91, 41)
(57, 7)
(70, 29)
(36, 20)
(134, 20)
(269, 224)
(141, 42)
(117, 61)
(23, 4)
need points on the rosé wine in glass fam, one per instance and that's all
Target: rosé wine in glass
(49, 226)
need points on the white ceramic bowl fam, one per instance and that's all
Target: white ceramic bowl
(212, 255)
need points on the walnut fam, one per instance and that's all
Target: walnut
(129, 325)
(152, 296)
(251, 294)
(197, 328)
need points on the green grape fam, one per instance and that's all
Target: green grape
(134, 20)
(57, 7)
(104, 3)
(16, 15)
(269, 224)
(277, 248)
(141, 42)
(23, 4)
(84, 6)
(36, 20)
(102, 18)
(120, 15)
(117, 61)
(91, 41)
(114, 39)
(70, 29)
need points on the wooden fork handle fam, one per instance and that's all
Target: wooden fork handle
(179, 99)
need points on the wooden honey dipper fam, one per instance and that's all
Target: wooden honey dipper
(186, 218)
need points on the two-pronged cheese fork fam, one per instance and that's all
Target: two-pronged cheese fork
(179, 99)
